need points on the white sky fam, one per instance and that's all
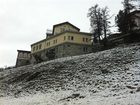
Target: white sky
(23, 22)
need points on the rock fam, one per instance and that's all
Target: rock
(104, 71)
(126, 68)
(131, 92)
(75, 95)
(93, 91)
(131, 87)
(82, 97)
(138, 89)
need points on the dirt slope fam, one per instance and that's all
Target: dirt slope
(112, 72)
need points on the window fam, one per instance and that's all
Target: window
(36, 47)
(40, 46)
(55, 41)
(86, 39)
(33, 48)
(72, 38)
(83, 39)
(68, 37)
(48, 43)
(64, 37)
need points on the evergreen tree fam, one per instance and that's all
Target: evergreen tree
(122, 19)
(128, 6)
(121, 22)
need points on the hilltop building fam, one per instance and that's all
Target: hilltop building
(65, 40)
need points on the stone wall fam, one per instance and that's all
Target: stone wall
(70, 49)
(63, 50)
(23, 58)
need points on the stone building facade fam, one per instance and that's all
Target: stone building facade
(65, 40)
(134, 18)
(23, 58)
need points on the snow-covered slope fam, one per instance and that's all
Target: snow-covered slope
(110, 77)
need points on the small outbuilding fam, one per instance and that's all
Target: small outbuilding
(23, 58)
(134, 18)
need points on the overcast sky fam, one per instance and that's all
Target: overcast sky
(23, 22)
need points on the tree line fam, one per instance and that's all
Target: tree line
(100, 20)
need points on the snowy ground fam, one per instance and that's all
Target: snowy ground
(55, 99)
(110, 77)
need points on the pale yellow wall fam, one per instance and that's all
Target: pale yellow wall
(62, 28)
(78, 39)
(35, 46)
(60, 39)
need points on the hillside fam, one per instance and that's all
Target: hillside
(110, 77)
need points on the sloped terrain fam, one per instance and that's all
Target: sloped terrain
(110, 77)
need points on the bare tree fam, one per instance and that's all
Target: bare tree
(95, 22)
(105, 21)
(99, 21)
